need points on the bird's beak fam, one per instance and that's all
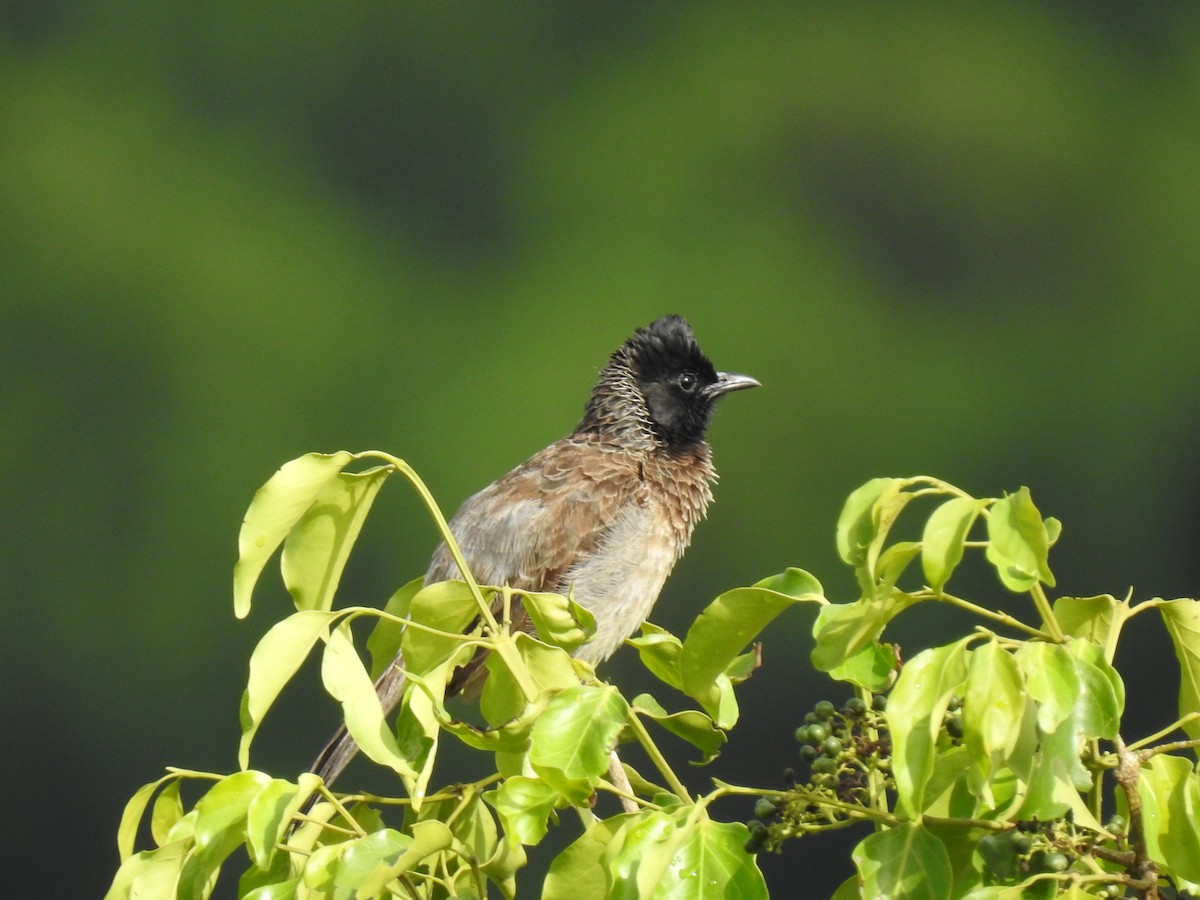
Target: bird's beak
(731, 381)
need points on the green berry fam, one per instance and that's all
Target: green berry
(764, 809)
(824, 765)
(1055, 862)
(802, 734)
(831, 746)
(1021, 844)
(1116, 824)
(824, 709)
(817, 733)
(879, 702)
(810, 718)
(808, 753)
(855, 706)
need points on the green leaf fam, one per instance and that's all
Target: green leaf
(873, 667)
(274, 661)
(282, 890)
(848, 890)
(1182, 618)
(904, 862)
(151, 873)
(657, 855)
(891, 565)
(578, 873)
(859, 522)
(842, 630)
(709, 860)
(168, 809)
(317, 547)
(1101, 699)
(384, 641)
(449, 607)
(1018, 542)
(470, 822)
(694, 727)
(276, 507)
(550, 669)
(993, 706)
(525, 805)
(321, 867)
(347, 681)
(269, 815)
(571, 740)
(729, 623)
(1054, 775)
(916, 707)
(1170, 792)
(1093, 618)
(363, 857)
(220, 828)
(559, 620)
(131, 818)
(1051, 680)
(948, 792)
(421, 720)
(659, 651)
(945, 533)
(372, 869)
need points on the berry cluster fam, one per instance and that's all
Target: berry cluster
(844, 748)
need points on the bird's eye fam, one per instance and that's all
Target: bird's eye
(687, 381)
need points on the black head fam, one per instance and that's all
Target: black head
(661, 381)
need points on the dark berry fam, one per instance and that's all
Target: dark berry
(879, 702)
(954, 727)
(808, 753)
(856, 706)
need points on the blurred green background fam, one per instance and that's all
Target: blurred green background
(949, 239)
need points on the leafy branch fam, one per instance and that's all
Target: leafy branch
(988, 768)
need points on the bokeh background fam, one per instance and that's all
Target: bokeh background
(950, 239)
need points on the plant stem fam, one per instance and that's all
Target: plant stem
(995, 615)
(1047, 612)
(656, 757)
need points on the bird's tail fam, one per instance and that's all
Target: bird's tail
(341, 748)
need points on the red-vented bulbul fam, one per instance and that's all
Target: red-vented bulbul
(605, 512)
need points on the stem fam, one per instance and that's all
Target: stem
(1178, 723)
(1143, 869)
(485, 609)
(656, 757)
(1047, 612)
(876, 792)
(995, 615)
(503, 643)
(1097, 794)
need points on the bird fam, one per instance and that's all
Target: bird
(603, 513)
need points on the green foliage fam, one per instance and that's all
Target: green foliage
(989, 767)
